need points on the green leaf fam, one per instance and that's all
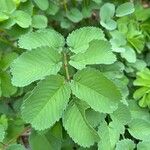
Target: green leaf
(139, 129)
(125, 9)
(2, 133)
(144, 145)
(37, 141)
(45, 37)
(107, 12)
(15, 147)
(74, 15)
(109, 136)
(99, 52)
(3, 16)
(99, 92)
(109, 24)
(75, 122)
(122, 114)
(129, 54)
(53, 8)
(22, 18)
(7, 6)
(34, 65)
(46, 103)
(125, 144)
(6, 87)
(43, 5)
(39, 21)
(7, 59)
(78, 41)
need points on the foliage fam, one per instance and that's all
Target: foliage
(74, 74)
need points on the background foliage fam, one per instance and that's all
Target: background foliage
(74, 74)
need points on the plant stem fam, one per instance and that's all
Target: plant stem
(66, 66)
(65, 5)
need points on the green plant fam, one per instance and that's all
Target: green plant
(67, 74)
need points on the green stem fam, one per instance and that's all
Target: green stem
(66, 66)
(65, 5)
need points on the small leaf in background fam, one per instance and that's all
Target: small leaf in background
(2, 133)
(39, 21)
(129, 54)
(6, 86)
(75, 122)
(125, 9)
(53, 8)
(107, 12)
(74, 15)
(125, 144)
(3, 16)
(43, 5)
(22, 18)
(15, 147)
(7, 6)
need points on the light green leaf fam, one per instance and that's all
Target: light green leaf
(109, 136)
(15, 147)
(39, 21)
(7, 6)
(34, 65)
(43, 5)
(99, 52)
(46, 103)
(22, 18)
(139, 129)
(109, 24)
(75, 122)
(144, 145)
(38, 141)
(125, 9)
(3, 16)
(53, 8)
(78, 41)
(122, 114)
(74, 15)
(45, 37)
(6, 87)
(107, 11)
(129, 54)
(125, 144)
(2, 133)
(99, 92)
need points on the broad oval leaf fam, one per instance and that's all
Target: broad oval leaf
(34, 65)
(78, 41)
(43, 37)
(99, 92)
(43, 5)
(99, 52)
(125, 9)
(77, 126)
(46, 103)
(22, 18)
